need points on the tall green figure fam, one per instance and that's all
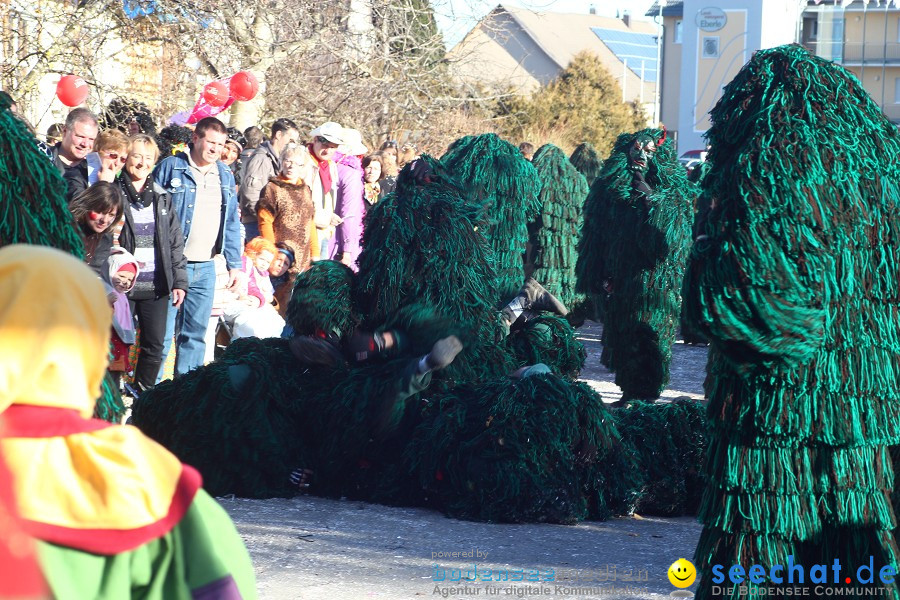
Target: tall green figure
(587, 160)
(554, 232)
(505, 187)
(632, 255)
(794, 282)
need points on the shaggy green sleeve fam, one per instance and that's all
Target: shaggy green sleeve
(747, 293)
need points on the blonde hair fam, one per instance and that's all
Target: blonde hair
(292, 150)
(147, 141)
(258, 245)
(111, 140)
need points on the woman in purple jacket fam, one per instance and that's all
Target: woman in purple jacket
(350, 204)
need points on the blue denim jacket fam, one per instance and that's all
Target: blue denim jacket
(175, 175)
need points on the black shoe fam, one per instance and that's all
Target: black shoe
(535, 297)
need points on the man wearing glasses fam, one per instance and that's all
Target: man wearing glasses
(78, 135)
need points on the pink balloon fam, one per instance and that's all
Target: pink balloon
(215, 93)
(72, 90)
(244, 86)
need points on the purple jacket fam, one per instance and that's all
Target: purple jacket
(351, 206)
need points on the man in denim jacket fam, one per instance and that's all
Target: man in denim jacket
(204, 199)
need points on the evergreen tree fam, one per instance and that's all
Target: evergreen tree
(584, 104)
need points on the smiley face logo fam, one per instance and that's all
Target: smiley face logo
(682, 573)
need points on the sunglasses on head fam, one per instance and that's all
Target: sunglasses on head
(391, 144)
(116, 156)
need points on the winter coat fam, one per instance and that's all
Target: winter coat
(291, 209)
(167, 238)
(256, 172)
(351, 206)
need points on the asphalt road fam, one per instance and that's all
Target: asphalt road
(313, 548)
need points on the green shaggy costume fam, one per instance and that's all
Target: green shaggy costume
(554, 232)
(504, 187)
(587, 160)
(632, 255)
(794, 282)
(370, 430)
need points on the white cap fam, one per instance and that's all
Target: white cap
(353, 144)
(331, 131)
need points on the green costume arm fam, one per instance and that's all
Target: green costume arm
(749, 293)
(203, 549)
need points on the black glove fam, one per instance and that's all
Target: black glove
(364, 345)
(419, 170)
(315, 351)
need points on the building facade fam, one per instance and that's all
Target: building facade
(864, 37)
(705, 44)
(518, 50)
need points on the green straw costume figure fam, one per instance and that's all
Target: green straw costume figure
(554, 233)
(504, 187)
(794, 283)
(587, 160)
(632, 255)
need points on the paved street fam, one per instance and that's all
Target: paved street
(312, 548)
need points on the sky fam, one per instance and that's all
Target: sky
(456, 17)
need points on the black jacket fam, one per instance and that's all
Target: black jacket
(76, 177)
(167, 239)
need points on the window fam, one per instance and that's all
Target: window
(897, 90)
(710, 47)
(676, 34)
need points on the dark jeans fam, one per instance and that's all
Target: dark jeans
(151, 315)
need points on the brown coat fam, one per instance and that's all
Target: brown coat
(285, 215)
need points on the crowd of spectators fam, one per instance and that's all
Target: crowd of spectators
(177, 199)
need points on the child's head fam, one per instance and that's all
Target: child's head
(283, 260)
(123, 279)
(261, 251)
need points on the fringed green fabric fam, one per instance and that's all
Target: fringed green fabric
(670, 440)
(587, 160)
(358, 424)
(109, 406)
(514, 451)
(631, 259)
(794, 282)
(236, 420)
(421, 246)
(33, 206)
(323, 300)
(549, 339)
(505, 187)
(555, 230)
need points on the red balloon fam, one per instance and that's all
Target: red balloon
(72, 90)
(215, 93)
(244, 86)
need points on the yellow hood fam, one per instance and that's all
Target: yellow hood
(54, 329)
